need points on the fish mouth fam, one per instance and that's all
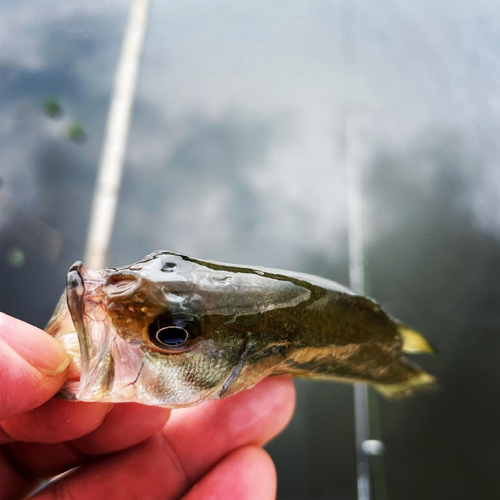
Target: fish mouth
(93, 331)
(81, 323)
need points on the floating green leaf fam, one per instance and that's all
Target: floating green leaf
(52, 107)
(77, 133)
(16, 257)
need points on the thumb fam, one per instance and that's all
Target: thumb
(33, 366)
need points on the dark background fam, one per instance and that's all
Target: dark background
(237, 153)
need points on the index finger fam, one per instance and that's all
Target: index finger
(33, 366)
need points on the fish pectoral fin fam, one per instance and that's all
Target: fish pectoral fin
(255, 364)
(235, 372)
(414, 342)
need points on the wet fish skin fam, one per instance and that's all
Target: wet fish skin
(241, 325)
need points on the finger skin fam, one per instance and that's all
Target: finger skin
(245, 474)
(250, 417)
(56, 421)
(33, 366)
(43, 461)
(169, 463)
(13, 484)
(127, 424)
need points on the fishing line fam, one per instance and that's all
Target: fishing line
(365, 447)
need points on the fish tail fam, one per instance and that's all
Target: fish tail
(414, 342)
(417, 380)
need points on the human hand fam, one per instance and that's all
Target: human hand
(127, 450)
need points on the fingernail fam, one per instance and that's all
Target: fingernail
(35, 346)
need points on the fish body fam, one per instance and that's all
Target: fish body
(174, 331)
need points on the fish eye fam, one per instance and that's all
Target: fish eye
(171, 335)
(174, 331)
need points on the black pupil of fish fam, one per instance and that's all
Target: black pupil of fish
(174, 330)
(172, 335)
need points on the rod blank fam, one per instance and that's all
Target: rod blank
(109, 174)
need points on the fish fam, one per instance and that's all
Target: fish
(174, 331)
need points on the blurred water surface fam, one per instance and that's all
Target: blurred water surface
(237, 153)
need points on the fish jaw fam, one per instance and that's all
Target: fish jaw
(61, 327)
(104, 366)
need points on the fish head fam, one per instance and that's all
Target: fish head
(163, 331)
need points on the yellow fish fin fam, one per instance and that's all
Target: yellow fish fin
(414, 342)
(396, 380)
(420, 380)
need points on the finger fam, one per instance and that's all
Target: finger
(56, 421)
(33, 366)
(171, 461)
(13, 484)
(125, 425)
(37, 461)
(217, 427)
(247, 473)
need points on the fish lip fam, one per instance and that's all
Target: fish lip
(75, 300)
(75, 290)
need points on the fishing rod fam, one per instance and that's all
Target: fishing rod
(364, 413)
(109, 174)
(357, 284)
(365, 446)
